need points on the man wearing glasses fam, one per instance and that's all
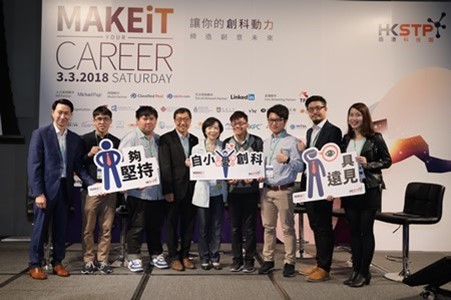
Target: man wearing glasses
(282, 163)
(101, 207)
(320, 212)
(175, 147)
(243, 198)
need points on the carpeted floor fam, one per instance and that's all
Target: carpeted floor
(199, 284)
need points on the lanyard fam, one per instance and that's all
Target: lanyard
(239, 146)
(151, 148)
(144, 141)
(316, 138)
(99, 138)
(273, 147)
(149, 145)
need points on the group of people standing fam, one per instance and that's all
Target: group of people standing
(360, 210)
(56, 153)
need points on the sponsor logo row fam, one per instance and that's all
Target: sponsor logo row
(174, 96)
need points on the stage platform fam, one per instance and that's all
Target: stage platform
(154, 283)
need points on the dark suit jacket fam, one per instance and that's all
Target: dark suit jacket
(90, 140)
(328, 134)
(174, 173)
(44, 163)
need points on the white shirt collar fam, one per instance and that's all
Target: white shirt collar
(320, 124)
(58, 131)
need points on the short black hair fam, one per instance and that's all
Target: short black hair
(146, 111)
(315, 98)
(209, 122)
(280, 110)
(238, 115)
(64, 102)
(182, 110)
(102, 110)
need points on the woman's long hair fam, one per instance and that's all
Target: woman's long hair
(367, 129)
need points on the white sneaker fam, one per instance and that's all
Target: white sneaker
(160, 262)
(135, 265)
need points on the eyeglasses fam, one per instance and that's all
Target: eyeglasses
(234, 124)
(279, 120)
(315, 108)
(100, 119)
(180, 120)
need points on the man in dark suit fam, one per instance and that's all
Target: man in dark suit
(175, 147)
(320, 212)
(54, 155)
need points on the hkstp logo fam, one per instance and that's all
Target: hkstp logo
(418, 31)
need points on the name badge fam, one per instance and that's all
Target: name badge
(99, 173)
(269, 171)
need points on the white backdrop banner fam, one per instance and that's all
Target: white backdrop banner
(216, 57)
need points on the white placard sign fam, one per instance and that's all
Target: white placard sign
(118, 174)
(227, 164)
(330, 173)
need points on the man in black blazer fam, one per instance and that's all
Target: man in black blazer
(55, 153)
(320, 212)
(175, 147)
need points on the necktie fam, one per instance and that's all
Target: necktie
(108, 159)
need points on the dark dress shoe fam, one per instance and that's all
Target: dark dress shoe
(351, 278)
(37, 273)
(361, 280)
(60, 270)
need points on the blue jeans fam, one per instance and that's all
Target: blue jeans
(210, 221)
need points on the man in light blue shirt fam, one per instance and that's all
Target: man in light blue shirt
(282, 163)
(146, 206)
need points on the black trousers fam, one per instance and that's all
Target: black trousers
(243, 215)
(181, 218)
(144, 216)
(320, 219)
(361, 224)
